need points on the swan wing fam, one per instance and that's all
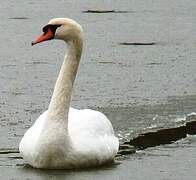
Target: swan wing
(92, 135)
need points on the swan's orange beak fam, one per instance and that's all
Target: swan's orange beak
(44, 37)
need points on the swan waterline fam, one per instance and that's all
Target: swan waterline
(63, 137)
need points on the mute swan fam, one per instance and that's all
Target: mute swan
(63, 137)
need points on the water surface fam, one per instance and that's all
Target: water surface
(139, 88)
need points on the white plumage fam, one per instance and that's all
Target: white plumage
(63, 137)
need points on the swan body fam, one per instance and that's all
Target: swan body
(63, 137)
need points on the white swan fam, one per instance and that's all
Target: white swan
(63, 137)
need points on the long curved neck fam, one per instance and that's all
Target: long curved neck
(59, 106)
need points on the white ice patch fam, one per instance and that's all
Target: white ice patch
(180, 119)
(155, 117)
(152, 126)
(192, 114)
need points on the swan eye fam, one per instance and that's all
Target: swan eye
(52, 27)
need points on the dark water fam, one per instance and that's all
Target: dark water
(139, 88)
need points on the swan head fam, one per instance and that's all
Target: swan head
(60, 28)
